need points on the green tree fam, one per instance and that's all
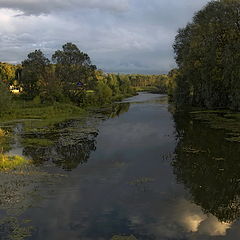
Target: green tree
(113, 84)
(171, 84)
(33, 71)
(103, 92)
(51, 89)
(207, 53)
(74, 67)
(124, 83)
(7, 73)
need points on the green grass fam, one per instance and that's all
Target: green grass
(11, 162)
(40, 116)
(5, 140)
(30, 110)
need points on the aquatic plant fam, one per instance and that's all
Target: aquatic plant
(13, 229)
(223, 120)
(118, 237)
(141, 180)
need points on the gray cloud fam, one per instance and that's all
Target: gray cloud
(37, 7)
(137, 40)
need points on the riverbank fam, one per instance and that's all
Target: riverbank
(30, 110)
(150, 89)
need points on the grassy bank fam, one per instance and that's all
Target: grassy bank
(12, 162)
(41, 115)
(30, 110)
(9, 162)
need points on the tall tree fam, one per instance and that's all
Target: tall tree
(33, 70)
(207, 53)
(73, 67)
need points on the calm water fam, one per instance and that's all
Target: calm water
(148, 172)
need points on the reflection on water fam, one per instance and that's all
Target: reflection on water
(66, 144)
(209, 168)
(147, 173)
(71, 146)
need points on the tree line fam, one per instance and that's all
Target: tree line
(208, 58)
(70, 76)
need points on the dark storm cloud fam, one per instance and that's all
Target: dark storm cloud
(131, 36)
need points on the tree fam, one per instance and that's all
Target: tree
(33, 71)
(207, 53)
(7, 73)
(103, 92)
(171, 84)
(73, 67)
(51, 89)
(124, 83)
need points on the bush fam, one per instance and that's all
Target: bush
(103, 92)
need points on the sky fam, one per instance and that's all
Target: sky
(125, 36)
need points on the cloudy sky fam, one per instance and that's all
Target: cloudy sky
(130, 36)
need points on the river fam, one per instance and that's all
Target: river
(148, 172)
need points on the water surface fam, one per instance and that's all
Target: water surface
(148, 172)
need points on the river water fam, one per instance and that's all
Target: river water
(150, 173)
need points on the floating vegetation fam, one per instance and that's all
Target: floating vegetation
(12, 229)
(20, 189)
(119, 237)
(193, 150)
(218, 159)
(233, 139)
(141, 181)
(221, 119)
